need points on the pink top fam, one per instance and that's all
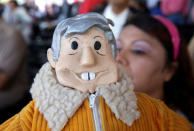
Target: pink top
(169, 7)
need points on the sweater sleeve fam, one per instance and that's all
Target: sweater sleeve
(163, 118)
(21, 121)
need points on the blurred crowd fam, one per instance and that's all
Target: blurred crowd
(26, 34)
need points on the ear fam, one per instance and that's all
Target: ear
(50, 58)
(170, 70)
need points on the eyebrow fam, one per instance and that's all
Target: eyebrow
(73, 37)
(97, 37)
(146, 41)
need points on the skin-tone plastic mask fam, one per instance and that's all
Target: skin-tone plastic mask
(85, 61)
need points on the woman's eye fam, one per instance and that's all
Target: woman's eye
(97, 45)
(74, 45)
(138, 52)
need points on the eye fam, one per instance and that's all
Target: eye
(97, 45)
(138, 52)
(74, 45)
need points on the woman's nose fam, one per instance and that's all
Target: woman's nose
(87, 58)
(121, 59)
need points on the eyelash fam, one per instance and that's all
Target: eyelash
(138, 51)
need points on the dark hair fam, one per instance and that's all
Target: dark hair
(179, 91)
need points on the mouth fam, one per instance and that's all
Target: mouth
(88, 76)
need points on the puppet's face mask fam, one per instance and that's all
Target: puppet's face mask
(85, 61)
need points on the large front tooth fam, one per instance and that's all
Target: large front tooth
(88, 76)
(92, 75)
(84, 76)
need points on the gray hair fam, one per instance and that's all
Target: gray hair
(80, 24)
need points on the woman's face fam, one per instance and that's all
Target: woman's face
(143, 58)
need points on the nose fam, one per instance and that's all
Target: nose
(121, 59)
(87, 58)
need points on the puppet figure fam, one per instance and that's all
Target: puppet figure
(82, 89)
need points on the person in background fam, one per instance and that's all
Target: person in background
(88, 5)
(155, 8)
(18, 17)
(154, 55)
(52, 12)
(13, 80)
(118, 11)
(175, 10)
(151, 4)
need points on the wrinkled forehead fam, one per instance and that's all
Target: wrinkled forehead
(91, 32)
(80, 27)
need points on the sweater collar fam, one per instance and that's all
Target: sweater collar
(58, 103)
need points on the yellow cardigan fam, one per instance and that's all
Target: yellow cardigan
(155, 116)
